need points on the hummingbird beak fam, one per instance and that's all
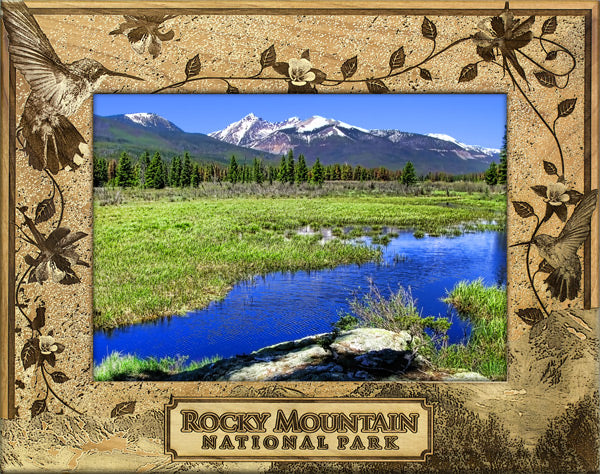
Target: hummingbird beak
(108, 72)
(521, 243)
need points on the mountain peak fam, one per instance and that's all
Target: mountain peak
(476, 148)
(151, 120)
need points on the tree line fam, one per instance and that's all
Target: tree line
(155, 172)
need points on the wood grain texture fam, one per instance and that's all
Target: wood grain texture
(595, 153)
(6, 236)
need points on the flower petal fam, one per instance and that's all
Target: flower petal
(498, 26)
(298, 82)
(309, 76)
(165, 36)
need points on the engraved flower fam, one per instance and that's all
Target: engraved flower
(47, 345)
(57, 254)
(557, 196)
(302, 76)
(143, 32)
(504, 34)
(300, 72)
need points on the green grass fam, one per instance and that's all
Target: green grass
(485, 352)
(117, 366)
(172, 251)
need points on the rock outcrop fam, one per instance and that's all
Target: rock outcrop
(364, 354)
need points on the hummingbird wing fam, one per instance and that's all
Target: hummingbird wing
(33, 55)
(578, 226)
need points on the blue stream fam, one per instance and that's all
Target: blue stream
(283, 306)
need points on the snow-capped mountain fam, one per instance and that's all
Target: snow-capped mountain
(140, 132)
(335, 141)
(475, 148)
(149, 120)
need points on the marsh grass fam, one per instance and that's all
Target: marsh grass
(165, 252)
(117, 366)
(486, 308)
(397, 312)
(114, 195)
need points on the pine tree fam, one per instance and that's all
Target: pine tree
(491, 174)
(175, 175)
(155, 175)
(409, 176)
(257, 171)
(502, 167)
(301, 170)
(336, 172)
(282, 173)
(100, 171)
(317, 172)
(112, 171)
(194, 176)
(291, 175)
(136, 175)
(233, 171)
(346, 172)
(124, 176)
(186, 171)
(144, 163)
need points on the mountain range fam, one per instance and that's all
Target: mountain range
(331, 140)
(140, 132)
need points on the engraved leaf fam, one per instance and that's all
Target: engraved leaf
(29, 353)
(232, 89)
(566, 107)
(574, 196)
(397, 58)
(123, 408)
(59, 377)
(428, 29)
(50, 358)
(540, 190)
(38, 407)
(551, 56)
(268, 56)
(376, 86)
(29, 260)
(44, 210)
(192, 68)
(550, 168)
(523, 209)
(468, 73)
(349, 67)
(530, 315)
(40, 318)
(305, 54)
(487, 54)
(545, 78)
(425, 74)
(282, 68)
(549, 26)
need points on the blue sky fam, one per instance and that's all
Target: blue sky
(475, 119)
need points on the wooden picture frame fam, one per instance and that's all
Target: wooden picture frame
(543, 55)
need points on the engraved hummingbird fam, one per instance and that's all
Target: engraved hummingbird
(560, 253)
(58, 89)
